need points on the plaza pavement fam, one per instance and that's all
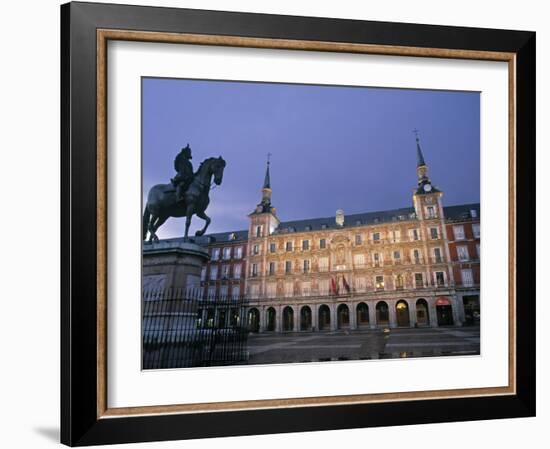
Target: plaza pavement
(363, 344)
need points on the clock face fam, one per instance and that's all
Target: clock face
(427, 187)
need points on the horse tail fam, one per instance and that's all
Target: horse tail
(146, 220)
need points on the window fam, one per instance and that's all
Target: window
(395, 236)
(358, 239)
(256, 249)
(288, 267)
(323, 264)
(475, 229)
(458, 231)
(379, 282)
(306, 266)
(227, 253)
(414, 234)
(360, 284)
(462, 252)
(376, 237)
(473, 213)
(225, 271)
(434, 233)
(288, 246)
(232, 236)
(254, 291)
(416, 256)
(271, 290)
(430, 212)
(440, 278)
(237, 271)
(322, 243)
(272, 247)
(203, 273)
(308, 228)
(323, 286)
(289, 288)
(437, 255)
(376, 259)
(305, 245)
(324, 226)
(397, 256)
(467, 277)
(254, 270)
(223, 291)
(306, 288)
(214, 272)
(215, 254)
(212, 291)
(258, 231)
(418, 280)
(399, 282)
(236, 291)
(359, 260)
(272, 268)
(238, 252)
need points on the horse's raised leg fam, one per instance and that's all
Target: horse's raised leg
(151, 228)
(189, 214)
(206, 218)
(155, 225)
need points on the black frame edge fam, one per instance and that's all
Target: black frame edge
(65, 405)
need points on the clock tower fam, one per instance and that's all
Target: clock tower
(431, 219)
(426, 197)
(263, 222)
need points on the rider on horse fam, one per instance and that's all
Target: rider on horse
(182, 164)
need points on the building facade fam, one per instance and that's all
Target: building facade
(224, 274)
(464, 232)
(411, 267)
(397, 268)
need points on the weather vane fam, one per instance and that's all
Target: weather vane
(268, 158)
(415, 131)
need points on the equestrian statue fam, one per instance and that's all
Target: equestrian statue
(185, 196)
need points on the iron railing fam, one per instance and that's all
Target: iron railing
(183, 328)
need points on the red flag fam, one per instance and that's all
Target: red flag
(346, 285)
(334, 286)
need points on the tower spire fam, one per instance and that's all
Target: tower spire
(419, 156)
(267, 179)
(265, 204)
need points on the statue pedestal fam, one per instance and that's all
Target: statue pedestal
(172, 265)
(172, 304)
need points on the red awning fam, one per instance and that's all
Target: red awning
(443, 301)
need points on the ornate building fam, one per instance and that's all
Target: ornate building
(393, 268)
(410, 267)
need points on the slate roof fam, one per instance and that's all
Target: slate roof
(462, 211)
(351, 220)
(453, 213)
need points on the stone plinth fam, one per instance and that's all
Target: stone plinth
(172, 265)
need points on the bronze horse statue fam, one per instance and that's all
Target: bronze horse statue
(162, 202)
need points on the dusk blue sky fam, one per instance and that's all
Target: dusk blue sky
(332, 147)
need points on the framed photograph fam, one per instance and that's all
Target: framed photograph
(275, 224)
